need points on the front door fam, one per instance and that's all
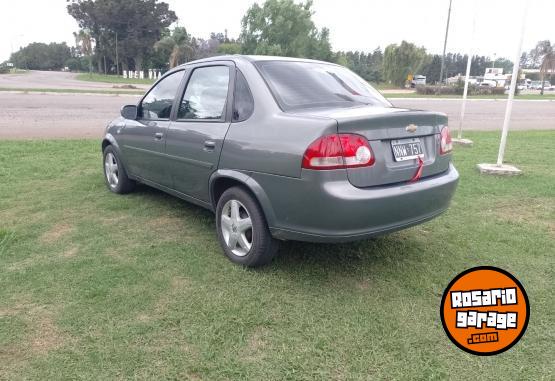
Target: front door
(143, 140)
(195, 138)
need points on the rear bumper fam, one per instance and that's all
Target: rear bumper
(332, 210)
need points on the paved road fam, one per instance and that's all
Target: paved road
(77, 116)
(57, 116)
(54, 80)
(488, 115)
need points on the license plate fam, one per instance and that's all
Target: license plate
(406, 149)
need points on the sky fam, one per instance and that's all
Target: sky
(354, 24)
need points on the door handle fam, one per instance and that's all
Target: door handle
(158, 135)
(209, 145)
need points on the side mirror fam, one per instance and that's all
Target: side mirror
(129, 112)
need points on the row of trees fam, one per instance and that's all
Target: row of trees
(41, 56)
(121, 35)
(542, 56)
(123, 31)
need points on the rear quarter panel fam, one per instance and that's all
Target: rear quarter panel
(270, 141)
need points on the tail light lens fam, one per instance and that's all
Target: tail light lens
(338, 151)
(446, 145)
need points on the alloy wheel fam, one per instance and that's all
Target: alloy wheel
(236, 225)
(111, 169)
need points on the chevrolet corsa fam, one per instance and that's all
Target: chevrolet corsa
(282, 149)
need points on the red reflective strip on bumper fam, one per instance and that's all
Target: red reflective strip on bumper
(418, 173)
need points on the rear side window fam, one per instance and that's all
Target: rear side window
(158, 102)
(243, 102)
(206, 94)
(299, 84)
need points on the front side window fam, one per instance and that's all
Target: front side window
(297, 85)
(206, 94)
(158, 102)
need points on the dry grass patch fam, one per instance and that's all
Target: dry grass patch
(71, 252)
(177, 285)
(56, 232)
(257, 343)
(43, 335)
(46, 336)
(167, 228)
(536, 211)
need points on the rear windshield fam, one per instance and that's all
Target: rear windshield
(298, 85)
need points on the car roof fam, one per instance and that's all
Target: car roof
(251, 58)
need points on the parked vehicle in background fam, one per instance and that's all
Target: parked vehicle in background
(282, 149)
(520, 86)
(418, 80)
(537, 85)
(488, 83)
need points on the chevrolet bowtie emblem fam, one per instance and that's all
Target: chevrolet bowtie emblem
(411, 128)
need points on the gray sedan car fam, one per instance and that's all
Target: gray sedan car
(282, 149)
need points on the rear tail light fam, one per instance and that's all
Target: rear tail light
(338, 151)
(446, 145)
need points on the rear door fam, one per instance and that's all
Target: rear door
(195, 138)
(143, 140)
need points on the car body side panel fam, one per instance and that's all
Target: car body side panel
(190, 162)
(270, 141)
(265, 143)
(249, 183)
(109, 137)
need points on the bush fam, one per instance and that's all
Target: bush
(435, 90)
(458, 89)
(77, 64)
(4, 69)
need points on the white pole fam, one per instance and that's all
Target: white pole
(463, 106)
(467, 75)
(445, 44)
(514, 80)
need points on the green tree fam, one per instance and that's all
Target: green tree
(535, 57)
(40, 56)
(401, 60)
(284, 28)
(319, 46)
(229, 48)
(84, 43)
(177, 46)
(138, 25)
(547, 66)
(367, 65)
(504, 63)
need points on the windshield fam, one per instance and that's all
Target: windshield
(298, 85)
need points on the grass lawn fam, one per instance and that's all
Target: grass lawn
(546, 96)
(384, 86)
(18, 71)
(99, 286)
(112, 79)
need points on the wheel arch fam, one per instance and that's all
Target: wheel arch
(222, 180)
(109, 139)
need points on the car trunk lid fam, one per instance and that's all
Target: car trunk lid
(388, 126)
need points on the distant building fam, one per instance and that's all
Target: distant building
(494, 77)
(455, 79)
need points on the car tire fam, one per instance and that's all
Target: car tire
(115, 175)
(242, 229)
